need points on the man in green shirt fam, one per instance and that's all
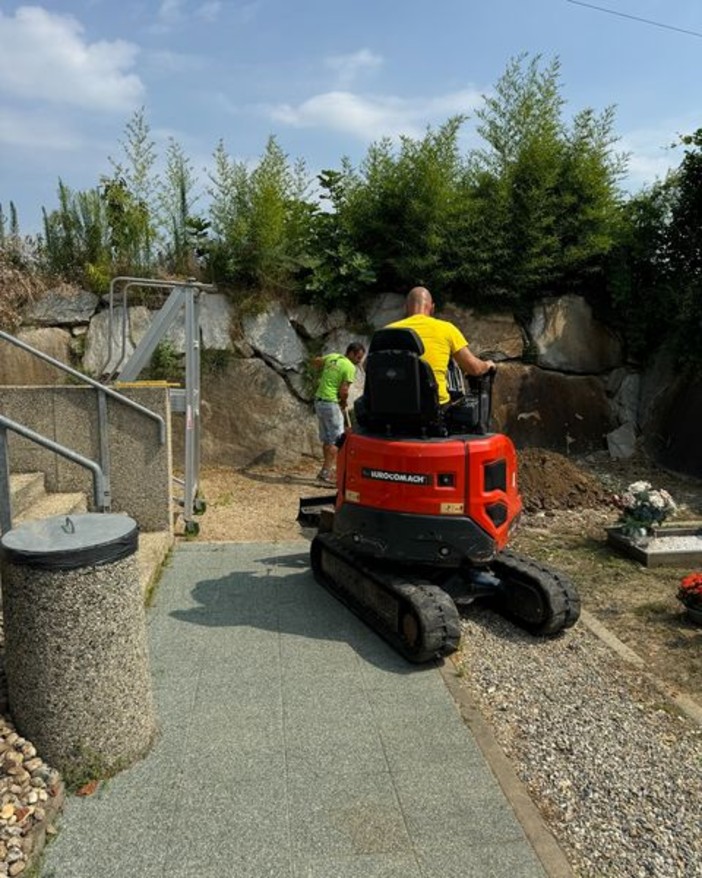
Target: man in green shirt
(331, 401)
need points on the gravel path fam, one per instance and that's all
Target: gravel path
(613, 767)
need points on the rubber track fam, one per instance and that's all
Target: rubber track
(539, 598)
(437, 616)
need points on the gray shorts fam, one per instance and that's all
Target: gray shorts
(331, 421)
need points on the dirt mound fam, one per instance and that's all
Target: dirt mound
(548, 480)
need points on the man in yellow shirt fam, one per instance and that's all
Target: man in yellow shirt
(441, 339)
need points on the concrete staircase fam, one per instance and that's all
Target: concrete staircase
(29, 500)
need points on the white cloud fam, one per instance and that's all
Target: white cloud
(44, 57)
(30, 130)
(175, 13)
(650, 152)
(170, 12)
(373, 117)
(165, 61)
(348, 67)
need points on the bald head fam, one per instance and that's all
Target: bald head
(419, 301)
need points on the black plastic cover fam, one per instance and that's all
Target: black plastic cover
(66, 542)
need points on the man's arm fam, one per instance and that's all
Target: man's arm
(470, 364)
(344, 393)
(318, 362)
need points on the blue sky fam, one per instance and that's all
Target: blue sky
(326, 78)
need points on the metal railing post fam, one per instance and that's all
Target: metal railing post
(5, 507)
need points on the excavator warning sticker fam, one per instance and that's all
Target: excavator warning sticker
(384, 475)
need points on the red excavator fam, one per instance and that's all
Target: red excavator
(425, 505)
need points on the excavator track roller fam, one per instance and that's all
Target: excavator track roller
(417, 618)
(540, 599)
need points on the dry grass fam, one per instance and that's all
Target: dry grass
(17, 288)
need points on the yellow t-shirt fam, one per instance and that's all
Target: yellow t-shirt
(441, 340)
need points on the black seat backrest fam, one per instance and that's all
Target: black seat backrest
(400, 394)
(402, 339)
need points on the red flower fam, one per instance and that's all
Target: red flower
(690, 590)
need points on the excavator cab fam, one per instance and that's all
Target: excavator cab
(426, 502)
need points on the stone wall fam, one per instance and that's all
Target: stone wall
(562, 381)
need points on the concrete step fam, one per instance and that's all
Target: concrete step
(25, 490)
(52, 504)
(29, 499)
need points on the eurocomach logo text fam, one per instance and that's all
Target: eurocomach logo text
(384, 475)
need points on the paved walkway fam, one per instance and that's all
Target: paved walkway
(294, 744)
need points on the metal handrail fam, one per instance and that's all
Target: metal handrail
(137, 282)
(108, 391)
(101, 500)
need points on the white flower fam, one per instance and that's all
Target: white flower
(670, 503)
(656, 500)
(638, 487)
(644, 507)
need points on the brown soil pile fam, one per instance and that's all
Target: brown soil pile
(548, 480)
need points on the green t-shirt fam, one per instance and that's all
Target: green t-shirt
(337, 369)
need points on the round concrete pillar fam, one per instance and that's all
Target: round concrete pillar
(76, 655)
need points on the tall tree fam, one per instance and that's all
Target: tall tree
(76, 236)
(639, 279)
(685, 251)
(138, 180)
(181, 230)
(260, 219)
(549, 191)
(403, 206)
(336, 273)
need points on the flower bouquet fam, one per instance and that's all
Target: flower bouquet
(642, 507)
(690, 592)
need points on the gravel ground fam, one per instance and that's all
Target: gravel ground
(614, 768)
(31, 794)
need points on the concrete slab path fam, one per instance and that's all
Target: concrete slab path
(294, 744)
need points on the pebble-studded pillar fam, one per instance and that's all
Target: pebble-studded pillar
(76, 656)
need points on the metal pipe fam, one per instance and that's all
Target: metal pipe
(5, 507)
(98, 476)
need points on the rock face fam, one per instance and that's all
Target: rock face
(109, 344)
(272, 335)
(567, 337)
(249, 414)
(566, 413)
(62, 307)
(673, 434)
(216, 314)
(496, 336)
(21, 369)
(575, 394)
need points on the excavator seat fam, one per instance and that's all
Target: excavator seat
(400, 396)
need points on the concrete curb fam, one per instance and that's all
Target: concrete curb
(36, 839)
(683, 702)
(542, 840)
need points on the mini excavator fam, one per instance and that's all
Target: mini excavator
(425, 505)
